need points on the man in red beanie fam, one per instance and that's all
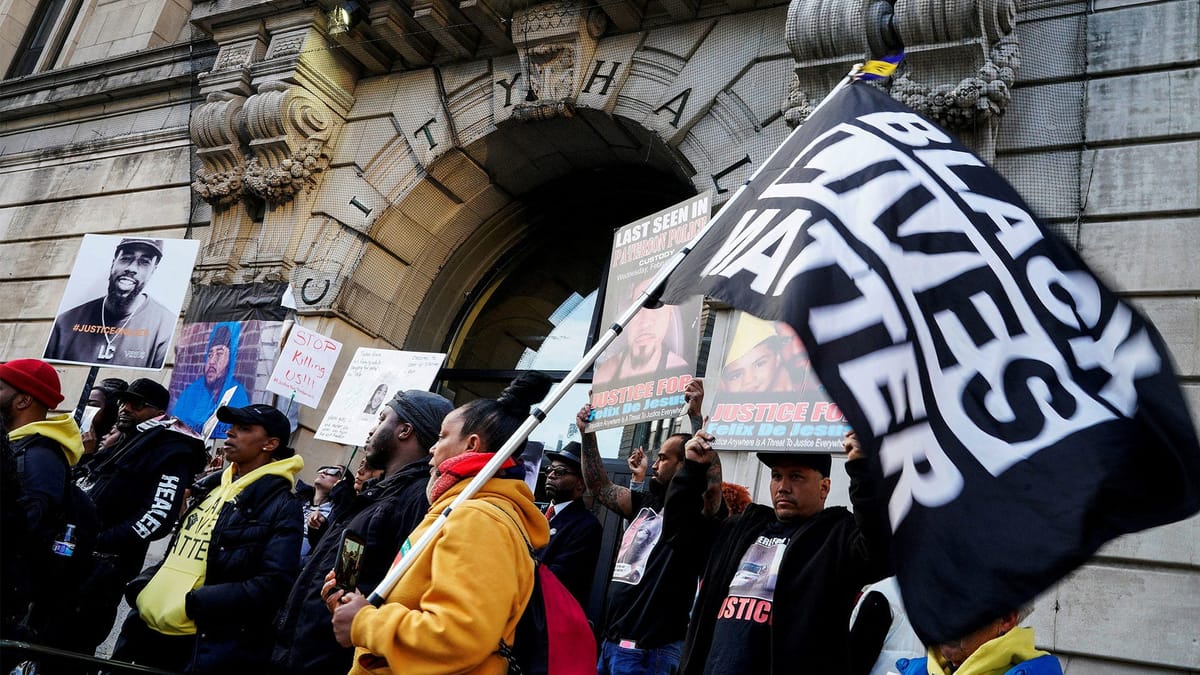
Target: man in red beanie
(44, 447)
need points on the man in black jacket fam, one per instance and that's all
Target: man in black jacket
(138, 487)
(780, 583)
(574, 532)
(383, 513)
(44, 447)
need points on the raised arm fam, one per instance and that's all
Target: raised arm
(613, 496)
(699, 449)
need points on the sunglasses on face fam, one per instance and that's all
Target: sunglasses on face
(560, 471)
(330, 471)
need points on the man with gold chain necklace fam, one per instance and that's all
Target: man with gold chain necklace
(124, 327)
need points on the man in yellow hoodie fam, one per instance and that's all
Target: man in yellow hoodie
(45, 448)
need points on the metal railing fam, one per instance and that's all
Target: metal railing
(25, 658)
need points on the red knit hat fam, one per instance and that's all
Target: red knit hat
(34, 377)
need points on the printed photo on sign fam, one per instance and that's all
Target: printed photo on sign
(637, 542)
(766, 396)
(641, 376)
(371, 379)
(218, 360)
(122, 302)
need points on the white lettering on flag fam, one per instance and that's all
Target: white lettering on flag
(985, 357)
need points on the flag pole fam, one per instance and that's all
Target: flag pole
(648, 298)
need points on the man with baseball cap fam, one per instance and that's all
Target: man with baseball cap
(574, 531)
(138, 487)
(780, 582)
(123, 327)
(384, 513)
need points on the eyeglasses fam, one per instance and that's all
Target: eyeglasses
(560, 471)
(330, 471)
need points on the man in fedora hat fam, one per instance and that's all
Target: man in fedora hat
(780, 582)
(138, 487)
(574, 531)
(123, 327)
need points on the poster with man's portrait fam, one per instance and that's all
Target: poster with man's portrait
(226, 352)
(762, 394)
(642, 374)
(122, 302)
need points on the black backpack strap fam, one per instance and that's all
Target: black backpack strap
(19, 448)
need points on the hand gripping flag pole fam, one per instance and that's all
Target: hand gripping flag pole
(649, 298)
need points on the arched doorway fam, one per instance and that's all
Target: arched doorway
(537, 308)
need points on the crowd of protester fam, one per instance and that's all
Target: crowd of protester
(704, 580)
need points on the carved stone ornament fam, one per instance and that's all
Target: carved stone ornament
(288, 129)
(553, 38)
(216, 127)
(973, 101)
(961, 55)
(280, 183)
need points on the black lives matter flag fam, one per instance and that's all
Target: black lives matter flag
(1020, 414)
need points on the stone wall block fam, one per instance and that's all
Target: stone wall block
(605, 76)
(1143, 36)
(421, 117)
(1178, 320)
(1143, 179)
(469, 89)
(1043, 116)
(1144, 106)
(1099, 602)
(1144, 256)
(719, 61)
(106, 214)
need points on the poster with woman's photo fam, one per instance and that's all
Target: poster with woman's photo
(642, 374)
(762, 395)
(371, 380)
(122, 302)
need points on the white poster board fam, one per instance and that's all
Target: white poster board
(122, 302)
(304, 366)
(371, 379)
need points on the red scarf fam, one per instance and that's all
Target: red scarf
(464, 466)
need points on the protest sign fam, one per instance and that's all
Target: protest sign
(122, 302)
(641, 376)
(226, 351)
(764, 396)
(373, 377)
(304, 366)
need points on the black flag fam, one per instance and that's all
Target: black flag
(1020, 413)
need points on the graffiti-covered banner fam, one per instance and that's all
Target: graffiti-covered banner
(226, 351)
(766, 397)
(641, 376)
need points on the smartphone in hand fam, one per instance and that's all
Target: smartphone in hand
(349, 560)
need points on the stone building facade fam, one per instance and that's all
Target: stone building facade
(390, 159)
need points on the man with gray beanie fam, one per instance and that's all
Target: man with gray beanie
(383, 514)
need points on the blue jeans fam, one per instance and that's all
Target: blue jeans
(618, 660)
